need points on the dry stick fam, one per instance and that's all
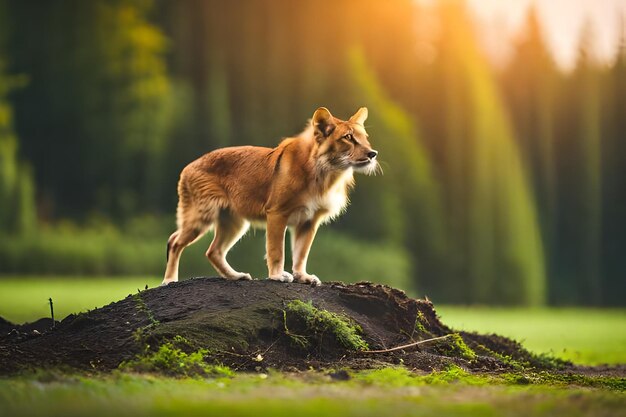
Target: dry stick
(51, 311)
(407, 346)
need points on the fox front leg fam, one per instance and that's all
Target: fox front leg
(275, 247)
(303, 237)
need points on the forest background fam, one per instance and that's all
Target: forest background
(504, 180)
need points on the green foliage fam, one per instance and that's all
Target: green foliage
(321, 323)
(102, 249)
(342, 257)
(499, 241)
(420, 320)
(17, 194)
(104, 98)
(455, 347)
(67, 249)
(171, 360)
(404, 205)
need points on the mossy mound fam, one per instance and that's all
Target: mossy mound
(255, 325)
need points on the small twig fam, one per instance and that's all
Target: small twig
(417, 317)
(52, 311)
(421, 342)
(271, 346)
(239, 355)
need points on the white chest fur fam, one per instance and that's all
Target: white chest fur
(328, 204)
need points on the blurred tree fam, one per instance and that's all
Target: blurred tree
(494, 233)
(404, 206)
(578, 243)
(17, 210)
(530, 83)
(614, 178)
(95, 116)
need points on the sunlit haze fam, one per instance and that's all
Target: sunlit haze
(562, 22)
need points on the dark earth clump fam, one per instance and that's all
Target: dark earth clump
(247, 325)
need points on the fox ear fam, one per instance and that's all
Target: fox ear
(323, 122)
(360, 116)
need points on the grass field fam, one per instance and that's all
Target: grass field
(376, 393)
(592, 335)
(586, 336)
(26, 298)
(582, 335)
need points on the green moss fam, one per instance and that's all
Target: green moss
(455, 374)
(387, 377)
(546, 361)
(141, 306)
(420, 322)
(319, 323)
(171, 360)
(505, 359)
(454, 346)
(402, 377)
(568, 379)
(524, 361)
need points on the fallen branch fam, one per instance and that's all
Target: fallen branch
(410, 345)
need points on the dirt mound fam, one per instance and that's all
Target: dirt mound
(253, 325)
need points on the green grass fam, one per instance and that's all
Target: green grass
(26, 298)
(582, 335)
(309, 394)
(171, 360)
(586, 336)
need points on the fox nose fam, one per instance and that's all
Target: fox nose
(372, 154)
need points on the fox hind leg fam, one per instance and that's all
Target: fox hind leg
(192, 225)
(229, 228)
(177, 242)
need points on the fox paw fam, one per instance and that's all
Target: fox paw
(282, 277)
(305, 278)
(167, 281)
(240, 276)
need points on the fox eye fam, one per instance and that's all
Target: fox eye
(350, 138)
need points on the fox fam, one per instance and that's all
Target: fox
(299, 185)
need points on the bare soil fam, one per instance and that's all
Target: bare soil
(243, 324)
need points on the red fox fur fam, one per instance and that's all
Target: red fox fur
(300, 184)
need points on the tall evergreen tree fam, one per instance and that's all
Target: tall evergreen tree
(404, 206)
(17, 210)
(614, 177)
(530, 84)
(492, 212)
(580, 180)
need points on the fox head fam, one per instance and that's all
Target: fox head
(344, 144)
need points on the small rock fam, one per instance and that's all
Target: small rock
(341, 375)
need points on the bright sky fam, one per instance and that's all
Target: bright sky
(562, 21)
